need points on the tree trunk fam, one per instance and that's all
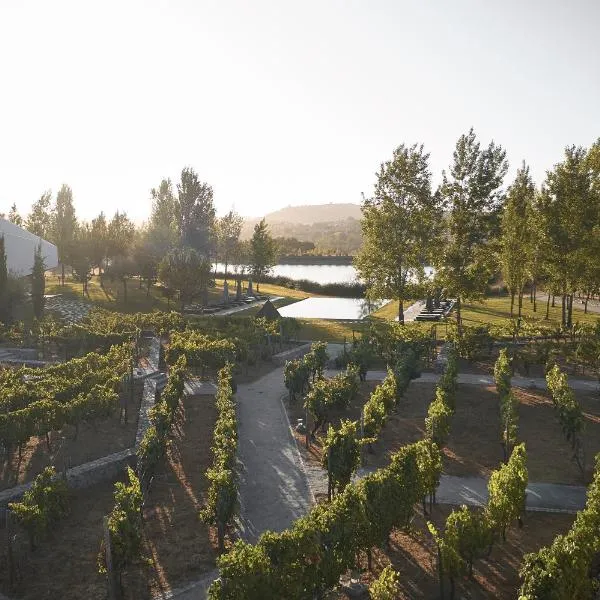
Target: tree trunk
(401, 311)
(512, 303)
(124, 290)
(570, 313)
(548, 307)
(587, 299)
(534, 285)
(148, 288)
(520, 304)
(553, 300)
(564, 310)
(62, 277)
(458, 315)
(221, 537)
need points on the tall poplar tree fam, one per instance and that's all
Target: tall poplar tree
(228, 228)
(164, 219)
(39, 220)
(572, 208)
(64, 226)
(263, 251)
(473, 198)
(515, 250)
(399, 226)
(38, 283)
(196, 212)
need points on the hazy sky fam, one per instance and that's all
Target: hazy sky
(276, 102)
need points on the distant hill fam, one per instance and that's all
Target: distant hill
(334, 226)
(315, 213)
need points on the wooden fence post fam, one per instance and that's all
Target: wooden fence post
(114, 587)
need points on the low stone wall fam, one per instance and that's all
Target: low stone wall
(281, 358)
(148, 401)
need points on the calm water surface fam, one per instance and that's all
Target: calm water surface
(319, 273)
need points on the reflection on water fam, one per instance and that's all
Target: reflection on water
(319, 273)
(351, 309)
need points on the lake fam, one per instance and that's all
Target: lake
(351, 309)
(318, 273)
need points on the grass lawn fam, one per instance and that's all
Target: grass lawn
(497, 309)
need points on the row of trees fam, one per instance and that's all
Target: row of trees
(177, 245)
(472, 229)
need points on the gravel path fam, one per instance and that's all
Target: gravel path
(274, 490)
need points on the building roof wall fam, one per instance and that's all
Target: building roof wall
(20, 247)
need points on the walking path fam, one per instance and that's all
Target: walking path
(583, 385)
(593, 305)
(413, 310)
(276, 487)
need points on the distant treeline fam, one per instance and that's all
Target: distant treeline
(311, 259)
(342, 290)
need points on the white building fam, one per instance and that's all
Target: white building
(20, 247)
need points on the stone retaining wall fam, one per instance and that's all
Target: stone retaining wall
(281, 358)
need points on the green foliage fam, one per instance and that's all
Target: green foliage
(563, 569)
(162, 416)
(186, 271)
(263, 251)
(341, 455)
(326, 395)
(472, 194)
(516, 252)
(38, 283)
(439, 418)
(471, 342)
(124, 525)
(569, 412)
(467, 536)
(379, 405)
(429, 463)
(507, 491)
(385, 587)
(203, 352)
(43, 504)
(309, 558)
(508, 402)
(222, 502)
(399, 225)
(296, 376)
(4, 300)
(38, 401)
(316, 359)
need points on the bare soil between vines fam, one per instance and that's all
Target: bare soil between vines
(178, 547)
(474, 446)
(93, 441)
(413, 554)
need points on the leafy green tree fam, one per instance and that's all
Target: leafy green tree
(120, 233)
(164, 219)
(508, 402)
(263, 251)
(14, 216)
(473, 198)
(4, 296)
(121, 269)
(185, 271)
(98, 250)
(146, 256)
(38, 283)
(399, 226)
(64, 226)
(39, 221)
(228, 228)
(195, 212)
(81, 256)
(515, 251)
(572, 208)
